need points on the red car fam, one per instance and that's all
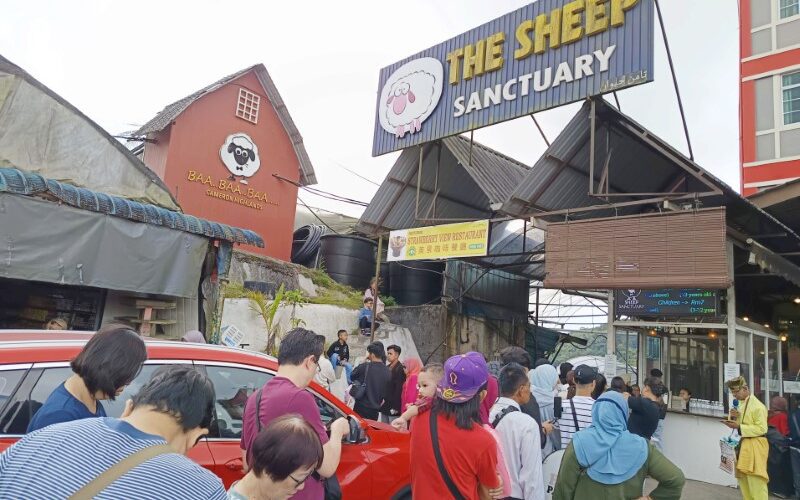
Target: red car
(375, 458)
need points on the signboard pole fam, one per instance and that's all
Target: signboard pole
(377, 288)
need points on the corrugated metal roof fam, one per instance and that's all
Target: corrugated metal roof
(165, 196)
(30, 184)
(171, 112)
(496, 174)
(639, 162)
(489, 179)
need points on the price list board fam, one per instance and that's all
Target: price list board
(680, 302)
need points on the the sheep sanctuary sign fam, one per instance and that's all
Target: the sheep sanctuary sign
(546, 54)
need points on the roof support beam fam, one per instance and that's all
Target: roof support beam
(644, 136)
(407, 181)
(614, 206)
(441, 196)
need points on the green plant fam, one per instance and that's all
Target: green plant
(269, 317)
(295, 298)
(389, 301)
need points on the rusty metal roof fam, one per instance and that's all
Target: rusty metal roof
(490, 178)
(639, 162)
(164, 118)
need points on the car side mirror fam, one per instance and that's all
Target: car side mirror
(354, 436)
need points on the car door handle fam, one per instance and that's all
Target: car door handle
(235, 464)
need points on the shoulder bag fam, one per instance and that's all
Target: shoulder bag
(439, 462)
(333, 490)
(574, 415)
(359, 389)
(104, 480)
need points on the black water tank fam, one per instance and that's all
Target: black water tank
(349, 260)
(416, 283)
(385, 288)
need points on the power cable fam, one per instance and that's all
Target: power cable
(356, 174)
(317, 216)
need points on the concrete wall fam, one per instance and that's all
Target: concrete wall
(427, 326)
(435, 331)
(323, 319)
(488, 337)
(250, 267)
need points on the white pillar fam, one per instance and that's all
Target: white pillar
(611, 338)
(731, 309)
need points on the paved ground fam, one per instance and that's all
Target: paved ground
(696, 490)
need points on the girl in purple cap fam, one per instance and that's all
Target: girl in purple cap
(452, 455)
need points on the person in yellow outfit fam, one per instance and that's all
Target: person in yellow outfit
(751, 422)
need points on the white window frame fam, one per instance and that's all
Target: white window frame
(788, 17)
(775, 21)
(779, 81)
(248, 112)
(777, 119)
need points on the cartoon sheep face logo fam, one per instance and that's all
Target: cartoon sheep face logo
(410, 96)
(240, 155)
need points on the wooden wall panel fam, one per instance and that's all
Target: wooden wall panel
(669, 250)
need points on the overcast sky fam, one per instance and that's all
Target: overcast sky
(122, 62)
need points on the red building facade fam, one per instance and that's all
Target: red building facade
(769, 98)
(231, 153)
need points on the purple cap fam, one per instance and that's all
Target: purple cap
(464, 375)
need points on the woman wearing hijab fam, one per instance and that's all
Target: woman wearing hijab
(544, 387)
(605, 461)
(751, 422)
(413, 367)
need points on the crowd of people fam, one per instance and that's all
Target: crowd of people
(474, 432)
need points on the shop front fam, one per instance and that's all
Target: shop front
(91, 258)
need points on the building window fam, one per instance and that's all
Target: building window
(791, 98)
(247, 105)
(789, 8)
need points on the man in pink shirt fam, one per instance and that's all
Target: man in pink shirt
(285, 393)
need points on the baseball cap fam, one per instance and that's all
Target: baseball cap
(464, 375)
(585, 374)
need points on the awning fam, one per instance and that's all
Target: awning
(43, 241)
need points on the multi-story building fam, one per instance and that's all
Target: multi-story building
(769, 98)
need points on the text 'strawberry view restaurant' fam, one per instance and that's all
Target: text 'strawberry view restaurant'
(702, 283)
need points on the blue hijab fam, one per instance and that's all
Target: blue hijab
(607, 450)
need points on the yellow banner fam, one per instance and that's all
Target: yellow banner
(463, 239)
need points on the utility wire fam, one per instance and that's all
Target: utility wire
(356, 174)
(315, 215)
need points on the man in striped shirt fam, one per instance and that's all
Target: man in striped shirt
(174, 409)
(576, 413)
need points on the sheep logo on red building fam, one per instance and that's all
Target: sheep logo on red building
(240, 155)
(410, 95)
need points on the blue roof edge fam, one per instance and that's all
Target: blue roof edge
(16, 181)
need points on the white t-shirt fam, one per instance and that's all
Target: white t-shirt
(583, 411)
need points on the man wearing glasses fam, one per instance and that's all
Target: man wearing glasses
(285, 393)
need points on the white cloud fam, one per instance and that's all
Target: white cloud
(120, 63)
